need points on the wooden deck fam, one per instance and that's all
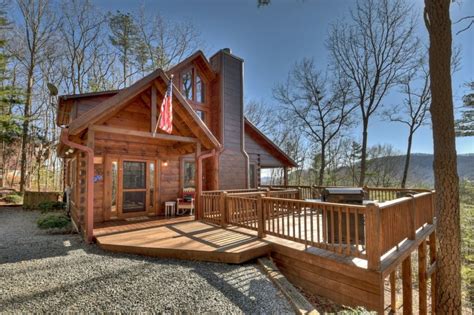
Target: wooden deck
(182, 239)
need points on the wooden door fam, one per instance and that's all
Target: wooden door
(134, 187)
(131, 187)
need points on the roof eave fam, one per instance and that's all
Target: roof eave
(285, 156)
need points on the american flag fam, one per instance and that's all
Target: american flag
(165, 120)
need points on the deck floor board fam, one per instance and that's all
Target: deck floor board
(182, 239)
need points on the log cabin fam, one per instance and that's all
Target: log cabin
(117, 167)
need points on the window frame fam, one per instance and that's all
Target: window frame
(73, 171)
(150, 210)
(184, 160)
(204, 86)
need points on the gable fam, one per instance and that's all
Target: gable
(72, 106)
(197, 60)
(131, 109)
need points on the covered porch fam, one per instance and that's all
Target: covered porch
(120, 166)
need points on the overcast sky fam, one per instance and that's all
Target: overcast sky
(271, 39)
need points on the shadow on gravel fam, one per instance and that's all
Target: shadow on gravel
(39, 249)
(232, 284)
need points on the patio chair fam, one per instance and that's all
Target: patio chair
(186, 202)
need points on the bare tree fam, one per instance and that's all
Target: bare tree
(164, 43)
(263, 116)
(81, 33)
(413, 112)
(448, 229)
(373, 52)
(33, 41)
(319, 110)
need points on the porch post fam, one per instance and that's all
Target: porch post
(285, 176)
(198, 182)
(89, 213)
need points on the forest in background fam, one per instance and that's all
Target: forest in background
(69, 47)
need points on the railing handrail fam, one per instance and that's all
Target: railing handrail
(321, 203)
(347, 186)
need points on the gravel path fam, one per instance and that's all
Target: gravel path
(59, 273)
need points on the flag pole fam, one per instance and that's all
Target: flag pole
(159, 116)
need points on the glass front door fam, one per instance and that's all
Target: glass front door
(134, 192)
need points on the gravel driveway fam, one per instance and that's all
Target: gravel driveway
(59, 273)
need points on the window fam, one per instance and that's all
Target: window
(201, 114)
(252, 176)
(134, 175)
(73, 179)
(114, 185)
(187, 84)
(192, 86)
(189, 174)
(152, 184)
(199, 89)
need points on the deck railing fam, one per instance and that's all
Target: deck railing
(367, 231)
(334, 227)
(384, 232)
(242, 211)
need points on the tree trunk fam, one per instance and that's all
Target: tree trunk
(407, 159)
(448, 282)
(322, 166)
(25, 131)
(39, 177)
(363, 156)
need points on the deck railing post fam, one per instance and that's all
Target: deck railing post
(422, 286)
(260, 218)
(373, 236)
(433, 212)
(299, 194)
(407, 286)
(223, 208)
(411, 218)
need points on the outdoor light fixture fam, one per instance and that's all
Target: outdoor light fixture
(165, 163)
(70, 150)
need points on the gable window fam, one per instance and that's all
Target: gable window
(187, 84)
(199, 89)
(201, 114)
(192, 86)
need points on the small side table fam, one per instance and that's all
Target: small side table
(170, 208)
